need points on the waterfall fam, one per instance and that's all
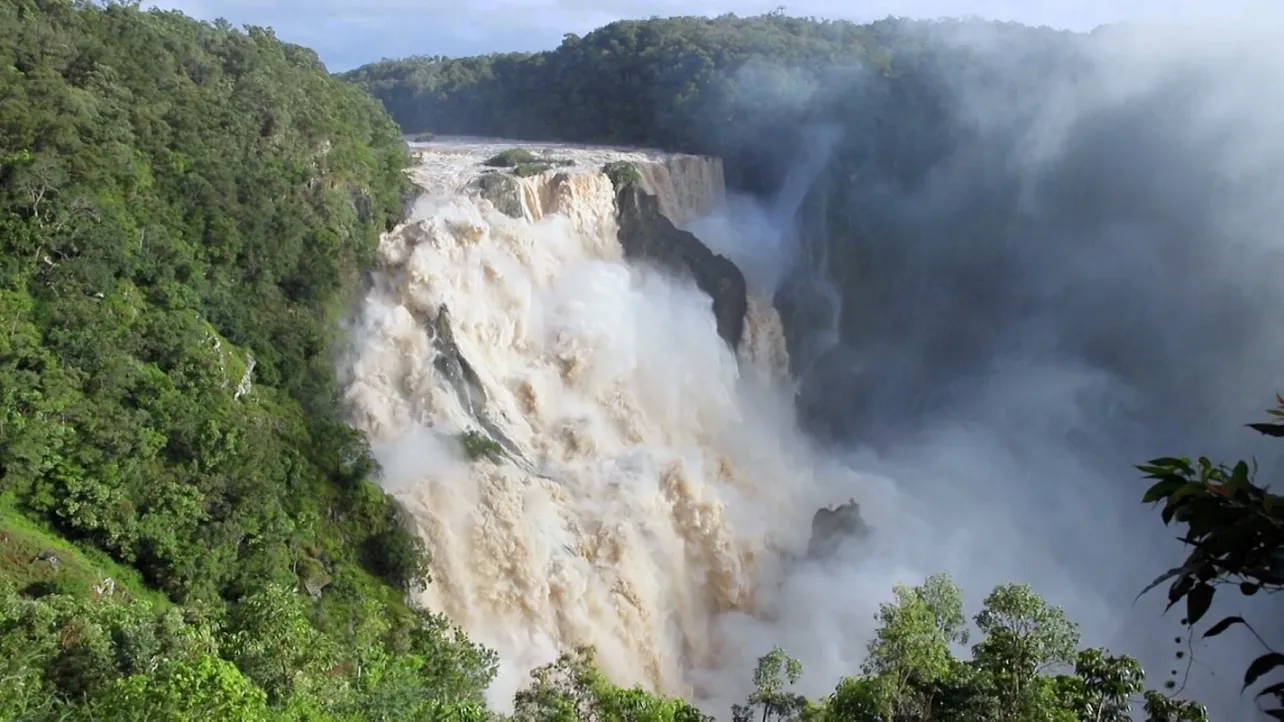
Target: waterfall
(639, 479)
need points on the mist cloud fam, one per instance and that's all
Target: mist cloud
(1085, 281)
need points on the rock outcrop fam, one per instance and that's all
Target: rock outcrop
(456, 369)
(452, 365)
(645, 233)
(502, 190)
(831, 526)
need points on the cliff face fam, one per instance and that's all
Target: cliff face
(501, 190)
(645, 233)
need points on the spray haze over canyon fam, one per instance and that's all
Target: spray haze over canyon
(1079, 277)
(1006, 374)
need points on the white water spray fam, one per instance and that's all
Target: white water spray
(650, 484)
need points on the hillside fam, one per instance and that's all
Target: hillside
(185, 213)
(739, 88)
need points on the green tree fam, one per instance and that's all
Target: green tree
(184, 210)
(910, 654)
(1024, 637)
(771, 699)
(1106, 686)
(1025, 667)
(273, 642)
(574, 689)
(1234, 529)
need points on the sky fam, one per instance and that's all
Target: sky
(349, 33)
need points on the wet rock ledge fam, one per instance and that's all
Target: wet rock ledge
(645, 233)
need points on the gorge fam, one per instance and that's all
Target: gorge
(651, 493)
(966, 251)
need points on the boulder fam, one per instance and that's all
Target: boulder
(502, 191)
(833, 525)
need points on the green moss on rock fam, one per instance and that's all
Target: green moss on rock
(525, 170)
(622, 173)
(511, 158)
(478, 446)
(313, 576)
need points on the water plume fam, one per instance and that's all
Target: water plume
(646, 479)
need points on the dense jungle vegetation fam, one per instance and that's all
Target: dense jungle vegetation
(188, 530)
(187, 527)
(738, 88)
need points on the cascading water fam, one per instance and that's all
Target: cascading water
(643, 481)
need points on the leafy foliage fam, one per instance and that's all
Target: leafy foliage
(103, 659)
(633, 82)
(742, 88)
(480, 446)
(1235, 531)
(622, 173)
(771, 700)
(511, 158)
(1026, 666)
(183, 205)
(573, 688)
(523, 162)
(207, 688)
(185, 210)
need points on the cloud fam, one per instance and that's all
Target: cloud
(348, 33)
